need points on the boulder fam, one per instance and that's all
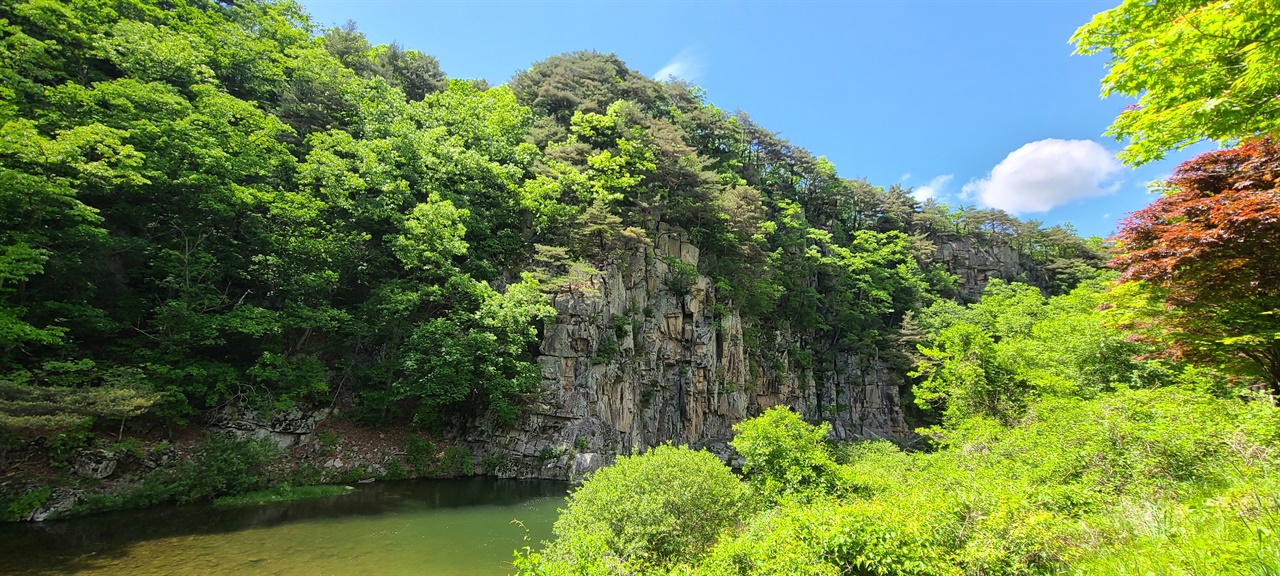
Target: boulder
(94, 464)
(61, 501)
(585, 463)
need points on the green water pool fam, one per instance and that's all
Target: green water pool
(424, 527)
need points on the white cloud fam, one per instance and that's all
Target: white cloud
(1045, 174)
(933, 189)
(905, 176)
(685, 66)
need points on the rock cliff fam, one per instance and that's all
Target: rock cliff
(643, 356)
(975, 261)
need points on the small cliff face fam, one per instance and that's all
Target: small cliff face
(639, 358)
(975, 262)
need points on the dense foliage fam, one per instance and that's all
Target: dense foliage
(648, 512)
(1200, 261)
(207, 202)
(1061, 451)
(1201, 69)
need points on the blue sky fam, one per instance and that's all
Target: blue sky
(972, 102)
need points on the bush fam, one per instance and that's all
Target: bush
(664, 507)
(784, 454)
(224, 466)
(1142, 481)
(456, 461)
(420, 453)
(828, 538)
(396, 470)
(490, 464)
(18, 508)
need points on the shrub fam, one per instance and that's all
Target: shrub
(655, 510)
(456, 461)
(681, 277)
(15, 509)
(828, 538)
(224, 466)
(490, 464)
(784, 454)
(396, 470)
(420, 453)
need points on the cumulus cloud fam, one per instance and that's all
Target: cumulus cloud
(933, 189)
(1045, 174)
(684, 66)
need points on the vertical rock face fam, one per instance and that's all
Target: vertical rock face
(976, 262)
(644, 356)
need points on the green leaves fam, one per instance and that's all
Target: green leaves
(647, 513)
(1201, 69)
(995, 356)
(785, 455)
(475, 354)
(432, 236)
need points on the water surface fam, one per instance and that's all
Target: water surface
(410, 527)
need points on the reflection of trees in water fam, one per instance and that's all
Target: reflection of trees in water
(64, 546)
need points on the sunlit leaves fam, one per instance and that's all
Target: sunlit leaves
(1201, 69)
(432, 236)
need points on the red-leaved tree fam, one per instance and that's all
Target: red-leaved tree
(1209, 253)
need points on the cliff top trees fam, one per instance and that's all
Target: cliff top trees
(1202, 69)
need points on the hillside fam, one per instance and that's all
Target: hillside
(241, 252)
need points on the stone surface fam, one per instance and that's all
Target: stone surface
(585, 463)
(94, 464)
(60, 501)
(679, 374)
(975, 261)
(285, 429)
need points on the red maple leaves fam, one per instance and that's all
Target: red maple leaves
(1209, 252)
(1217, 234)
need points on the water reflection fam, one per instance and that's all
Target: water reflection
(432, 527)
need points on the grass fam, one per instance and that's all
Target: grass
(283, 493)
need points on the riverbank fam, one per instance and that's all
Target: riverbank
(91, 473)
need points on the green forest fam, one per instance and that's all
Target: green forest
(206, 203)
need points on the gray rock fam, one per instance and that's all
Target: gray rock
(284, 429)
(685, 375)
(60, 502)
(94, 464)
(585, 463)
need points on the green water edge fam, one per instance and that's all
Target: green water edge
(463, 526)
(285, 493)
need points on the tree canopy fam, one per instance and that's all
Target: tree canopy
(1200, 69)
(231, 204)
(1206, 252)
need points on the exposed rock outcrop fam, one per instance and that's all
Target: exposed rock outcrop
(285, 429)
(975, 261)
(60, 502)
(94, 464)
(643, 356)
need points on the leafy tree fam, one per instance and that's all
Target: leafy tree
(1205, 252)
(1201, 69)
(474, 356)
(582, 81)
(1013, 346)
(966, 373)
